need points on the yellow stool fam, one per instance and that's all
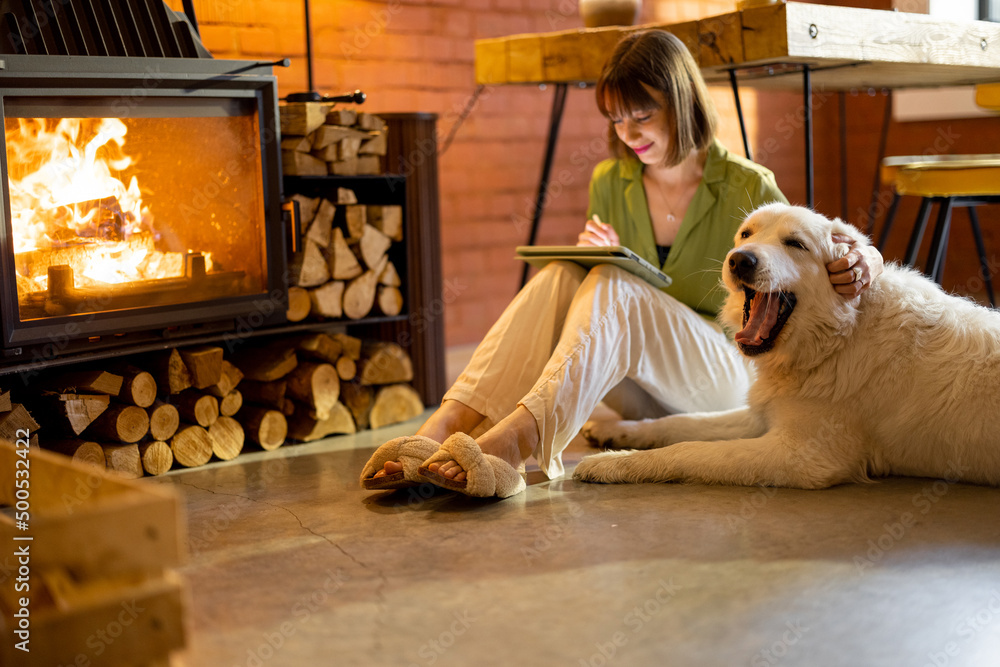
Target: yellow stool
(950, 181)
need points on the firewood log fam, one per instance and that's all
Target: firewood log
(305, 425)
(267, 363)
(192, 446)
(342, 117)
(15, 421)
(377, 145)
(164, 420)
(86, 382)
(302, 118)
(81, 451)
(347, 368)
(350, 345)
(157, 457)
(348, 148)
(343, 265)
(231, 376)
(227, 438)
(389, 276)
(388, 220)
(327, 300)
(264, 393)
(308, 267)
(197, 408)
(369, 121)
(307, 208)
(358, 398)
(231, 403)
(123, 460)
(385, 363)
(320, 346)
(295, 163)
(288, 407)
(171, 375)
(390, 300)
(328, 134)
(316, 385)
(355, 217)
(138, 386)
(120, 423)
(322, 225)
(70, 414)
(395, 403)
(346, 196)
(359, 296)
(5, 404)
(343, 167)
(368, 165)
(373, 246)
(299, 304)
(293, 143)
(204, 363)
(265, 426)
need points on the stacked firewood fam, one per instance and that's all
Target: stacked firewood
(317, 140)
(186, 406)
(342, 267)
(312, 386)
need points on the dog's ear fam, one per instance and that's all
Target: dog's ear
(839, 227)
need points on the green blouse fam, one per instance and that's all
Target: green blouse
(731, 187)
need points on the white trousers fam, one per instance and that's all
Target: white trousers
(571, 338)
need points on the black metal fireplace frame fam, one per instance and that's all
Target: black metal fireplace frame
(116, 77)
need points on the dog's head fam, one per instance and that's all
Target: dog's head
(781, 303)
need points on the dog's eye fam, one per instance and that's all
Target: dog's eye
(794, 243)
(745, 234)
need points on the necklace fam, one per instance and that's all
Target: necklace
(671, 215)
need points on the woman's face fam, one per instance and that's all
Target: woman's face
(645, 131)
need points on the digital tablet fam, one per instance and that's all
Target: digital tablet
(590, 256)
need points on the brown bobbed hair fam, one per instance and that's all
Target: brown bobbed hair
(662, 62)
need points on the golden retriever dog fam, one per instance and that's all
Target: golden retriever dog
(901, 380)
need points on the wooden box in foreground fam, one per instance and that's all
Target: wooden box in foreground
(92, 561)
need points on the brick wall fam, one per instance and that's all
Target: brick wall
(411, 55)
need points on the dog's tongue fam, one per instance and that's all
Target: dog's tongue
(763, 315)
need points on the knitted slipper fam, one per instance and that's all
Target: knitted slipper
(410, 451)
(486, 475)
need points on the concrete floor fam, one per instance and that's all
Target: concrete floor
(292, 564)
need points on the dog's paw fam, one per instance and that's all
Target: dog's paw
(616, 434)
(606, 468)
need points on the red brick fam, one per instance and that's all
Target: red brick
(456, 23)
(258, 41)
(419, 19)
(219, 39)
(509, 5)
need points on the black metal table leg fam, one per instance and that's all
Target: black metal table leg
(917, 235)
(939, 243)
(807, 101)
(739, 114)
(555, 118)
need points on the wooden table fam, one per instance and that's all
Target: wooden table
(785, 46)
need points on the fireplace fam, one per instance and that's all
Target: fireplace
(141, 202)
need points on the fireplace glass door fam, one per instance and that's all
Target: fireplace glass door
(115, 203)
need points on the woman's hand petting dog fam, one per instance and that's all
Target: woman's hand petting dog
(854, 272)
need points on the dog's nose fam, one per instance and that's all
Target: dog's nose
(743, 265)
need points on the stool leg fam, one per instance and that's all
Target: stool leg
(889, 217)
(917, 235)
(939, 243)
(984, 265)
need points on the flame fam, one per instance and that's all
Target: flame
(68, 193)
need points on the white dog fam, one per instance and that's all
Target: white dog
(902, 380)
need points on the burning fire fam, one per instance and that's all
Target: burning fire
(70, 205)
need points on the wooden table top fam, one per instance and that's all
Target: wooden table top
(845, 47)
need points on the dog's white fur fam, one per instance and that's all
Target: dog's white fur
(903, 380)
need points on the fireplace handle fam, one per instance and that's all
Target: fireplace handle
(292, 207)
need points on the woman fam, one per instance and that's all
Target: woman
(572, 338)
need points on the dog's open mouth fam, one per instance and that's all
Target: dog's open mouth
(764, 315)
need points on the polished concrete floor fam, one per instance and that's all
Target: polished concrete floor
(292, 564)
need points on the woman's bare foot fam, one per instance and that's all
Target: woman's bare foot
(513, 440)
(450, 418)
